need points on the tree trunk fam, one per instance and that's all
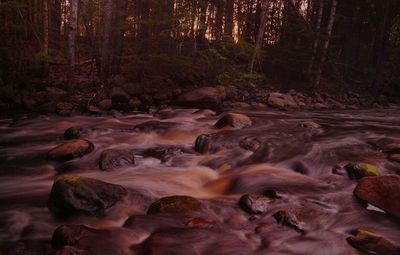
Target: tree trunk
(72, 43)
(229, 9)
(317, 39)
(260, 35)
(119, 42)
(219, 19)
(325, 47)
(45, 28)
(106, 47)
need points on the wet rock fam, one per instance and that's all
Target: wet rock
(135, 103)
(70, 150)
(250, 144)
(154, 126)
(279, 100)
(73, 194)
(234, 120)
(204, 97)
(382, 192)
(300, 167)
(199, 223)
(112, 158)
(309, 124)
(64, 107)
(395, 157)
(373, 243)
(72, 133)
(203, 144)
(163, 154)
(105, 104)
(254, 203)
(289, 219)
(174, 204)
(68, 235)
(359, 170)
(94, 109)
(119, 97)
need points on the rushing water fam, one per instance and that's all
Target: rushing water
(295, 161)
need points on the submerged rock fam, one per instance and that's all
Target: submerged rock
(204, 97)
(154, 126)
(111, 159)
(359, 170)
(203, 144)
(250, 144)
(174, 204)
(373, 243)
(382, 192)
(74, 194)
(72, 133)
(163, 154)
(234, 120)
(395, 157)
(289, 219)
(309, 124)
(70, 150)
(254, 203)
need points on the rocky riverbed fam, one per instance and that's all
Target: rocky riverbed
(187, 181)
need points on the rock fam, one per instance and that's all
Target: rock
(204, 97)
(70, 150)
(203, 144)
(309, 124)
(94, 109)
(154, 126)
(372, 243)
(199, 223)
(250, 144)
(163, 154)
(254, 203)
(382, 192)
(105, 104)
(72, 133)
(234, 120)
(119, 97)
(289, 219)
(64, 107)
(391, 148)
(174, 204)
(359, 170)
(68, 235)
(279, 100)
(320, 106)
(135, 103)
(55, 93)
(111, 159)
(240, 105)
(395, 157)
(73, 194)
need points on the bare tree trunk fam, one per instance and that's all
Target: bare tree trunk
(229, 9)
(260, 35)
(325, 47)
(219, 19)
(317, 39)
(106, 48)
(72, 43)
(45, 28)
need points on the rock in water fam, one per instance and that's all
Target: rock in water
(254, 203)
(382, 192)
(119, 97)
(309, 124)
(74, 194)
(359, 170)
(202, 144)
(395, 157)
(372, 243)
(70, 150)
(174, 204)
(205, 97)
(234, 120)
(105, 104)
(110, 159)
(391, 148)
(289, 219)
(72, 133)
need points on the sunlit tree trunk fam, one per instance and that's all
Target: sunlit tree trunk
(260, 35)
(325, 46)
(107, 33)
(72, 43)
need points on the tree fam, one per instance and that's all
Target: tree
(260, 35)
(73, 26)
(106, 48)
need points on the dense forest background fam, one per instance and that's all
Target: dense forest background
(307, 45)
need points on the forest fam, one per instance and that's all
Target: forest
(307, 45)
(204, 127)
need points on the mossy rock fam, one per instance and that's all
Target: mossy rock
(70, 150)
(372, 243)
(234, 120)
(73, 194)
(359, 170)
(174, 204)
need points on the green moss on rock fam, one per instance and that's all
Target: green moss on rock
(359, 170)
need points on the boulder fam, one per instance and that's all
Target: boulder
(174, 204)
(309, 124)
(382, 192)
(72, 133)
(359, 170)
(234, 120)
(64, 107)
(163, 154)
(73, 194)
(70, 150)
(112, 158)
(135, 102)
(203, 143)
(254, 203)
(105, 104)
(119, 97)
(373, 243)
(289, 219)
(204, 97)
(250, 144)
(279, 100)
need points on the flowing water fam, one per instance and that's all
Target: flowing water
(295, 161)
